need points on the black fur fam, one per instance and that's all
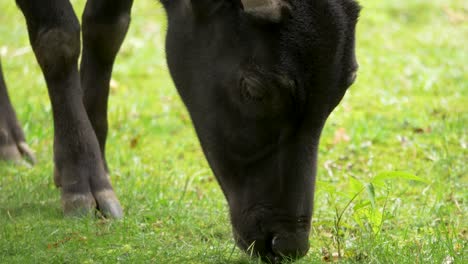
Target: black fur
(259, 92)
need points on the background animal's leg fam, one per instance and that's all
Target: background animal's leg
(54, 33)
(105, 24)
(12, 142)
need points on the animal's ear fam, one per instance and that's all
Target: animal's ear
(258, 85)
(273, 11)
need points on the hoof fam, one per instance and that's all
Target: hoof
(78, 205)
(10, 153)
(108, 204)
(17, 152)
(102, 203)
(57, 180)
(27, 153)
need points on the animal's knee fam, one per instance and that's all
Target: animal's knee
(105, 24)
(57, 49)
(54, 33)
(105, 37)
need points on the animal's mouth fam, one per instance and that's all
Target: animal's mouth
(271, 237)
(352, 77)
(275, 248)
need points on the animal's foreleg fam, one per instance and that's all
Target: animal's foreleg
(105, 24)
(54, 33)
(12, 141)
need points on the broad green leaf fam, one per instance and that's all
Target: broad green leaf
(371, 192)
(375, 219)
(355, 186)
(361, 204)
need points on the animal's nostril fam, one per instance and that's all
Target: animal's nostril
(290, 245)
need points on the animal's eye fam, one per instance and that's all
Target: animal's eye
(252, 88)
(260, 85)
(263, 93)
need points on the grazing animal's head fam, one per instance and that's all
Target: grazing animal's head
(259, 91)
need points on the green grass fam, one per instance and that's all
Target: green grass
(408, 112)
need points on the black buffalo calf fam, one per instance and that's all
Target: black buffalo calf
(259, 89)
(258, 77)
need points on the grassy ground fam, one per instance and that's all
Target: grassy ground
(407, 112)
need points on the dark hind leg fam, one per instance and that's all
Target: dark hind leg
(54, 33)
(12, 142)
(105, 24)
